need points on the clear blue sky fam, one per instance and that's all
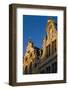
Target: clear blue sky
(34, 29)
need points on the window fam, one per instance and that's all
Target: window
(54, 67)
(28, 51)
(26, 70)
(35, 65)
(48, 50)
(48, 69)
(30, 68)
(50, 27)
(54, 46)
(30, 54)
(42, 72)
(41, 52)
(37, 61)
(26, 59)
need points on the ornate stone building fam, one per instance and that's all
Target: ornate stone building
(42, 60)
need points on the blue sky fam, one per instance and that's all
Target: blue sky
(34, 29)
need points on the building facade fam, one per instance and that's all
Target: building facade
(42, 60)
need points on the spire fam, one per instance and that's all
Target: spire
(30, 41)
(51, 19)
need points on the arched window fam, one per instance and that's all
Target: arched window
(54, 46)
(26, 70)
(30, 68)
(26, 59)
(48, 51)
(30, 54)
